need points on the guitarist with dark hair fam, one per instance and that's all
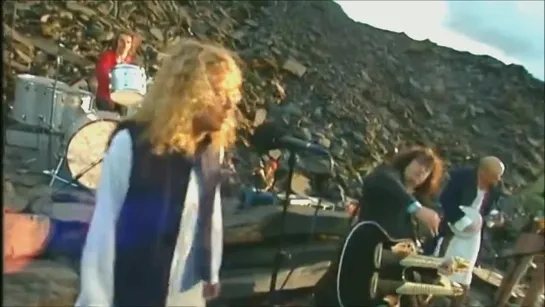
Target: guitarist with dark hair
(392, 195)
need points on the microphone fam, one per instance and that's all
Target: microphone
(268, 136)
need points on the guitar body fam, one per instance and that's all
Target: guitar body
(374, 269)
(356, 265)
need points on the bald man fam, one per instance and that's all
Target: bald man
(477, 188)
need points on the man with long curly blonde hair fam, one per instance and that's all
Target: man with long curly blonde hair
(156, 235)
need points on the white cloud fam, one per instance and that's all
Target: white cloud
(510, 31)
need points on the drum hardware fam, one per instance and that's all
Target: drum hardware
(87, 104)
(55, 173)
(54, 176)
(53, 104)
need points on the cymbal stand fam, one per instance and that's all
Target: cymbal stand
(53, 107)
(55, 173)
(52, 110)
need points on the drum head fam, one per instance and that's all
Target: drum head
(126, 98)
(86, 147)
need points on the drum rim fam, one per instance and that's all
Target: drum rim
(36, 80)
(126, 65)
(70, 141)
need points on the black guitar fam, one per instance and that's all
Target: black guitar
(373, 265)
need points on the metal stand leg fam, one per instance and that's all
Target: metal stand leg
(55, 174)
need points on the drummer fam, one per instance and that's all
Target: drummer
(121, 52)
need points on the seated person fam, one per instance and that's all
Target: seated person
(31, 236)
(392, 195)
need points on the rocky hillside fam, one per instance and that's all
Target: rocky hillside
(358, 90)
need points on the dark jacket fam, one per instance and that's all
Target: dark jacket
(149, 221)
(461, 190)
(385, 201)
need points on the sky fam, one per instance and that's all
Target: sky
(510, 31)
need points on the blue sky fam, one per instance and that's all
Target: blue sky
(510, 31)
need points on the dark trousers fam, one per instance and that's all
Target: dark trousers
(105, 105)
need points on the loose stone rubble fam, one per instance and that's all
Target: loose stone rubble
(360, 91)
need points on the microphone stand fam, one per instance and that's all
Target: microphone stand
(281, 254)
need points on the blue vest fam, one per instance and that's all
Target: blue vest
(148, 224)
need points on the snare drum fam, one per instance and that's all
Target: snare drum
(128, 84)
(40, 102)
(87, 144)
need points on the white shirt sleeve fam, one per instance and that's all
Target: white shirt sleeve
(99, 251)
(463, 223)
(217, 233)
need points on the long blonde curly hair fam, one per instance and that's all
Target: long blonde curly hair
(183, 87)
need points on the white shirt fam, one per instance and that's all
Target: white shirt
(466, 247)
(99, 251)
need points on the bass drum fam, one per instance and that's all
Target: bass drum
(87, 143)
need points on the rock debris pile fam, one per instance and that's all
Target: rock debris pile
(359, 91)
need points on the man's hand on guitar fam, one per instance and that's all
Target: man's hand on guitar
(429, 218)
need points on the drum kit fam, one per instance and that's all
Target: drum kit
(76, 132)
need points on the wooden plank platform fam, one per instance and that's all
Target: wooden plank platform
(494, 278)
(261, 223)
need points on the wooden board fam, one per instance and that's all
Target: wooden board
(494, 278)
(261, 223)
(244, 283)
